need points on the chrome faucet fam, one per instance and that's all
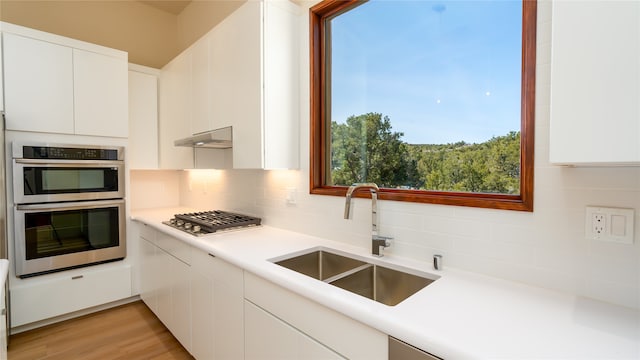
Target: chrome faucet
(377, 241)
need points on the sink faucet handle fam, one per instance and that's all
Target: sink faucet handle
(384, 241)
(378, 242)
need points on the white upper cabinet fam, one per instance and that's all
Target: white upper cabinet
(54, 84)
(175, 112)
(100, 93)
(38, 79)
(254, 83)
(143, 118)
(244, 74)
(201, 120)
(595, 83)
(1, 81)
(281, 83)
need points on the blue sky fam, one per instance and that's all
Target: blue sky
(443, 71)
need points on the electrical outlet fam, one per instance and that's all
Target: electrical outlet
(599, 224)
(609, 224)
(291, 196)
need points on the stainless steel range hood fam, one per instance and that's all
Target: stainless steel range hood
(214, 139)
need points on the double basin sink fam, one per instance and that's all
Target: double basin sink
(358, 275)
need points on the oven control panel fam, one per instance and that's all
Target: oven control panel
(68, 153)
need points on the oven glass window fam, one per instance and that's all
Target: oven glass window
(64, 180)
(51, 233)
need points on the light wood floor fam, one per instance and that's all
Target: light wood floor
(129, 331)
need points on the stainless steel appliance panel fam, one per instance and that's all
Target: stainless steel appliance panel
(55, 236)
(36, 181)
(46, 172)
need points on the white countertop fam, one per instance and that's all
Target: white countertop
(460, 315)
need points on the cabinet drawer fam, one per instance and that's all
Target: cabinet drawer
(174, 247)
(217, 269)
(347, 337)
(41, 299)
(147, 232)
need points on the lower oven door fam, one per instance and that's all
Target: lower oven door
(57, 236)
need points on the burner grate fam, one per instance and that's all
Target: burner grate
(215, 220)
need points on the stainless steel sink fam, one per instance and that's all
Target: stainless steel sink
(382, 284)
(321, 265)
(365, 278)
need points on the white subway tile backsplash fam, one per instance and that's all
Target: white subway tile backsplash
(399, 219)
(420, 238)
(145, 185)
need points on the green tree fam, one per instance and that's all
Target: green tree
(365, 149)
(489, 167)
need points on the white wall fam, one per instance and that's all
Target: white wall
(544, 248)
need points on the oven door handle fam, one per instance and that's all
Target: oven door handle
(73, 163)
(70, 205)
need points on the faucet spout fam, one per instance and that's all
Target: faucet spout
(353, 188)
(376, 240)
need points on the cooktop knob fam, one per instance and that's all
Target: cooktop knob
(196, 228)
(179, 222)
(187, 225)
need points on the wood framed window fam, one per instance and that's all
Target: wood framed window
(334, 161)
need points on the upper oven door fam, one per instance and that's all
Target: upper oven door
(37, 181)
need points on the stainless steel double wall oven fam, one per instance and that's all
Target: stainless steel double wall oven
(69, 207)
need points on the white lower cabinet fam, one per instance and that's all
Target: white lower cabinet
(269, 338)
(148, 269)
(48, 296)
(178, 277)
(217, 312)
(198, 297)
(336, 333)
(165, 282)
(3, 319)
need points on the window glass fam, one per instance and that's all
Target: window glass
(426, 95)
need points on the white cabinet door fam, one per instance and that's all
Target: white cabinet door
(142, 152)
(98, 284)
(38, 79)
(162, 278)
(172, 288)
(3, 320)
(179, 278)
(1, 81)
(165, 282)
(100, 94)
(341, 334)
(236, 66)
(200, 110)
(175, 112)
(281, 85)
(217, 308)
(254, 83)
(148, 274)
(202, 319)
(595, 83)
(269, 338)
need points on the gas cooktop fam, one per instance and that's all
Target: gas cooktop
(206, 222)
